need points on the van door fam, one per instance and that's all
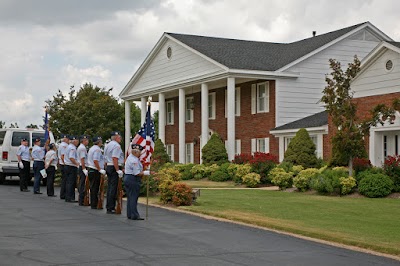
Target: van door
(15, 142)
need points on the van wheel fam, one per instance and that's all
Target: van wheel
(2, 178)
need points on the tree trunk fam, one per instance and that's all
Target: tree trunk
(351, 166)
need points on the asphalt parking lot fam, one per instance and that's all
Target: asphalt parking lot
(39, 230)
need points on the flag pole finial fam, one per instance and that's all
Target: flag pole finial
(149, 100)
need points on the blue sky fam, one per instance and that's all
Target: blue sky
(49, 45)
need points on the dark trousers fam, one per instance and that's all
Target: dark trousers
(112, 187)
(94, 178)
(132, 187)
(24, 175)
(81, 186)
(63, 182)
(37, 167)
(51, 172)
(71, 174)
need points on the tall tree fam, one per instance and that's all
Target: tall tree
(14, 125)
(90, 110)
(2, 124)
(32, 126)
(348, 140)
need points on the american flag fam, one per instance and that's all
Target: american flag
(145, 138)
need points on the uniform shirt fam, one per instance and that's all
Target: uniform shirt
(95, 153)
(70, 152)
(61, 151)
(23, 151)
(38, 153)
(113, 149)
(133, 166)
(82, 153)
(51, 158)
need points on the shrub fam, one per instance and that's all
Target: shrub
(219, 176)
(287, 166)
(170, 173)
(251, 179)
(328, 181)
(184, 169)
(241, 171)
(361, 164)
(301, 150)
(165, 188)
(347, 184)
(242, 158)
(182, 194)
(262, 163)
(232, 168)
(372, 170)
(159, 156)
(281, 178)
(391, 167)
(302, 180)
(200, 171)
(225, 168)
(375, 185)
(214, 151)
(296, 169)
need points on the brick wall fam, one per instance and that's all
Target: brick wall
(248, 126)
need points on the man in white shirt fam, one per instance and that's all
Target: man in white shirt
(114, 158)
(38, 164)
(71, 169)
(83, 172)
(24, 159)
(61, 154)
(50, 164)
(96, 169)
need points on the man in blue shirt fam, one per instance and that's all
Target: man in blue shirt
(114, 158)
(38, 153)
(24, 159)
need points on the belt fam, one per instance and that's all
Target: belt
(38, 160)
(111, 164)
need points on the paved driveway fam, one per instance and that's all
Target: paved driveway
(38, 230)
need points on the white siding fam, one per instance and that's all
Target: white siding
(298, 98)
(183, 65)
(376, 80)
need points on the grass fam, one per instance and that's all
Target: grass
(205, 183)
(368, 223)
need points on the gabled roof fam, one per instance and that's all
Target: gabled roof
(397, 44)
(253, 55)
(315, 120)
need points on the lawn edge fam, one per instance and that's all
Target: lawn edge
(330, 243)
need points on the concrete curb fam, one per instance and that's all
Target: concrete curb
(334, 244)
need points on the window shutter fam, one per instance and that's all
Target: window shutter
(238, 146)
(253, 98)
(192, 152)
(267, 96)
(172, 152)
(253, 145)
(266, 141)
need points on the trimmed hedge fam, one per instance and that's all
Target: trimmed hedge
(375, 185)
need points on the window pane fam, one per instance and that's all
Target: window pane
(17, 136)
(2, 135)
(261, 145)
(210, 106)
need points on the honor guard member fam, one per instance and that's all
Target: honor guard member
(71, 169)
(132, 180)
(83, 172)
(61, 155)
(24, 159)
(38, 153)
(50, 164)
(114, 158)
(96, 169)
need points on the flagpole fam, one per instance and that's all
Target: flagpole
(148, 177)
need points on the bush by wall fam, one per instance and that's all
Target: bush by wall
(361, 164)
(214, 151)
(241, 170)
(242, 158)
(375, 185)
(262, 163)
(219, 176)
(328, 181)
(302, 180)
(301, 150)
(347, 184)
(391, 167)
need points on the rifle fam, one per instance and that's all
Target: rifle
(118, 209)
(87, 188)
(101, 193)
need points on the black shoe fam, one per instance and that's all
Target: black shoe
(81, 204)
(52, 195)
(62, 198)
(25, 190)
(37, 193)
(72, 201)
(138, 219)
(111, 211)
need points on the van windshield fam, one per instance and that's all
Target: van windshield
(39, 135)
(2, 135)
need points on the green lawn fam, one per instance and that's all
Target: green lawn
(362, 222)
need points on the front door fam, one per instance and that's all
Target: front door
(391, 144)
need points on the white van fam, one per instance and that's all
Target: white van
(10, 139)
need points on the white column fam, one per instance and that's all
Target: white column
(281, 148)
(204, 117)
(143, 109)
(161, 117)
(231, 118)
(127, 125)
(182, 134)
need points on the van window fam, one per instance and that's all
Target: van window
(2, 135)
(39, 135)
(17, 136)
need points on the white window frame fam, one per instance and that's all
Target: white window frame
(189, 112)
(169, 121)
(238, 146)
(211, 105)
(257, 143)
(237, 102)
(255, 100)
(170, 151)
(314, 138)
(189, 152)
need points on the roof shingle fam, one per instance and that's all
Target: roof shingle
(315, 120)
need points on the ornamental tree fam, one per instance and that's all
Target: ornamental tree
(350, 130)
(301, 150)
(214, 151)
